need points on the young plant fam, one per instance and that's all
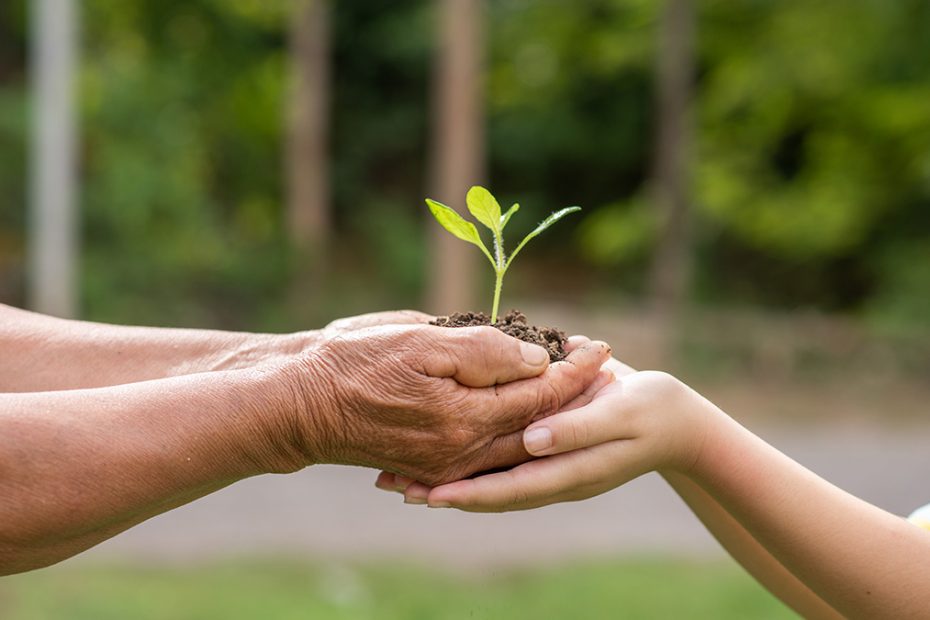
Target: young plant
(486, 210)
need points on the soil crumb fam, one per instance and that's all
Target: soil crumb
(513, 324)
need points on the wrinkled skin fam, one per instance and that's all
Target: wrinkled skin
(133, 422)
(436, 404)
(349, 324)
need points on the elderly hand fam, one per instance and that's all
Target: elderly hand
(375, 319)
(432, 403)
(641, 422)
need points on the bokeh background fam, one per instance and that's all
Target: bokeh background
(755, 184)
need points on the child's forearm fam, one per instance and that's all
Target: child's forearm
(862, 561)
(748, 552)
(40, 353)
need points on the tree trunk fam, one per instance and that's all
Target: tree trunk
(307, 167)
(458, 148)
(53, 221)
(671, 267)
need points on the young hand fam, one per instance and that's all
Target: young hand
(641, 422)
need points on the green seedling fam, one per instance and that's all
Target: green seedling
(486, 210)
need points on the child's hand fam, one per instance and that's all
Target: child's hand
(641, 422)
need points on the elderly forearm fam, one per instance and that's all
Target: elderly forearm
(861, 560)
(41, 353)
(78, 467)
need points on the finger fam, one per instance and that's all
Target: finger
(601, 380)
(574, 342)
(416, 493)
(512, 407)
(385, 481)
(388, 481)
(503, 452)
(563, 477)
(598, 422)
(481, 356)
(402, 482)
(618, 368)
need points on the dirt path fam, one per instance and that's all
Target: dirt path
(327, 512)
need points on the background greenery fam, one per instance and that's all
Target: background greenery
(811, 190)
(812, 179)
(634, 590)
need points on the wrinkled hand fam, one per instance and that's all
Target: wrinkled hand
(418, 491)
(375, 319)
(252, 350)
(641, 422)
(431, 403)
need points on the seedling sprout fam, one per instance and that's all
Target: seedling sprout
(485, 208)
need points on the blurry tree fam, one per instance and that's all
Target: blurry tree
(811, 179)
(814, 142)
(13, 137)
(182, 123)
(812, 146)
(383, 52)
(307, 134)
(570, 98)
(672, 259)
(457, 159)
(53, 256)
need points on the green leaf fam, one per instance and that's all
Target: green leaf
(484, 207)
(457, 225)
(546, 223)
(506, 217)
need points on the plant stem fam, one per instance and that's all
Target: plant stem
(499, 282)
(499, 270)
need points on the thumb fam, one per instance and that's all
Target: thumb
(598, 422)
(482, 356)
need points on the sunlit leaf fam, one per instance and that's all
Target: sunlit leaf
(457, 225)
(506, 217)
(484, 207)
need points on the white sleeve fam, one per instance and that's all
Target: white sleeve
(921, 517)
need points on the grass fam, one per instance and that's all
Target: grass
(281, 590)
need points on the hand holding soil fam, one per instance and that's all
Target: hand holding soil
(122, 423)
(427, 402)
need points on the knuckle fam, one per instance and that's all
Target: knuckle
(576, 433)
(550, 399)
(440, 362)
(488, 340)
(458, 436)
(445, 473)
(661, 382)
(519, 495)
(414, 316)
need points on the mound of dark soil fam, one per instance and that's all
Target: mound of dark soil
(513, 324)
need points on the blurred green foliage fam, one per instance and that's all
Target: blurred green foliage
(632, 589)
(812, 160)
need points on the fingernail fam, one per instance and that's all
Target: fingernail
(440, 505)
(533, 355)
(537, 439)
(416, 494)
